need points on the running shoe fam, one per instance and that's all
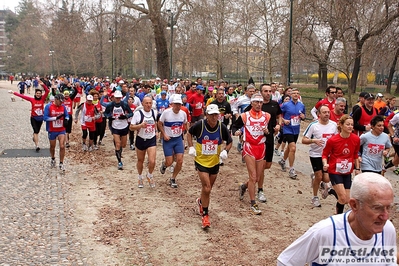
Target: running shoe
(315, 201)
(151, 181)
(100, 143)
(277, 152)
(132, 147)
(311, 179)
(163, 168)
(200, 210)
(90, 149)
(95, 147)
(52, 164)
(141, 183)
(37, 149)
(292, 174)
(282, 164)
(173, 183)
(120, 166)
(396, 171)
(242, 190)
(261, 197)
(255, 209)
(205, 222)
(62, 168)
(67, 145)
(386, 159)
(324, 190)
(171, 168)
(84, 147)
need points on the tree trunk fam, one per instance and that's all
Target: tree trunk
(163, 68)
(392, 71)
(322, 79)
(356, 66)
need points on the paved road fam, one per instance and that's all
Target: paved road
(34, 229)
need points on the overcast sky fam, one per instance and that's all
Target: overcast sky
(9, 4)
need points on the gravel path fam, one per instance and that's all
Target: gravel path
(34, 225)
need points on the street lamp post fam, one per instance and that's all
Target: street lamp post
(290, 45)
(52, 61)
(111, 40)
(30, 69)
(171, 26)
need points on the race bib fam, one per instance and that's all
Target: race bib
(375, 149)
(57, 123)
(198, 106)
(295, 120)
(176, 131)
(221, 117)
(68, 108)
(343, 166)
(88, 118)
(209, 147)
(39, 112)
(149, 131)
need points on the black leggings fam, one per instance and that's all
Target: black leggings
(92, 134)
(100, 130)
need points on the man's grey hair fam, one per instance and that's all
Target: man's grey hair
(340, 100)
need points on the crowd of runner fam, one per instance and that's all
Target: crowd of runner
(204, 116)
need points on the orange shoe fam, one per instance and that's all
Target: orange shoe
(200, 210)
(205, 222)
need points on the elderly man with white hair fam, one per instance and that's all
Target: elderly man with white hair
(360, 236)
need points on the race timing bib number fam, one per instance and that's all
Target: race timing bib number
(209, 147)
(176, 131)
(58, 123)
(295, 120)
(39, 112)
(343, 166)
(375, 149)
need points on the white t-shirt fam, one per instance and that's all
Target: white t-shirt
(173, 123)
(149, 131)
(315, 130)
(306, 248)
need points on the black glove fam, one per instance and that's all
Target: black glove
(60, 116)
(122, 117)
(66, 122)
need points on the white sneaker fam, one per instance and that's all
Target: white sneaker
(292, 174)
(316, 202)
(261, 197)
(90, 149)
(84, 147)
(62, 168)
(95, 147)
(277, 152)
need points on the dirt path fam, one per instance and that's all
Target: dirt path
(120, 224)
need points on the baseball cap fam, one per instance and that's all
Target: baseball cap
(66, 93)
(200, 87)
(52, 98)
(380, 95)
(256, 98)
(121, 82)
(362, 94)
(163, 92)
(210, 89)
(176, 99)
(89, 97)
(212, 109)
(60, 97)
(369, 96)
(118, 94)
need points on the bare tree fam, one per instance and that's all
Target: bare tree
(367, 19)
